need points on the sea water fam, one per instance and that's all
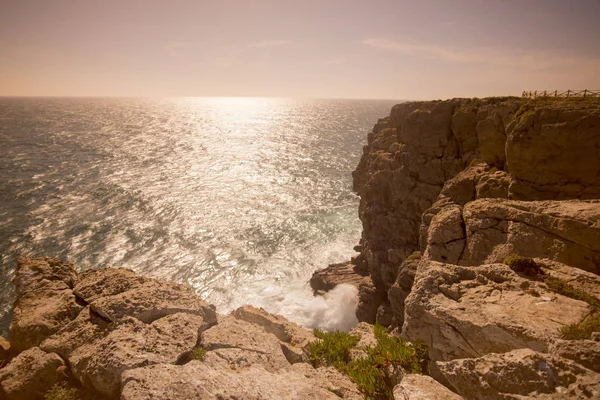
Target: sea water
(241, 198)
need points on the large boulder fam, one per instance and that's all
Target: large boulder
(30, 375)
(119, 293)
(519, 374)
(243, 344)
(99, 352)
(460, 311)
(45, 300)
(213, 379)
(347, 272)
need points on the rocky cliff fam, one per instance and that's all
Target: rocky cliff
(452, 189)
(481, 245)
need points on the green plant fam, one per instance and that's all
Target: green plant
(370, 373)
(333, 348)
(524, 265)
(60, 391)
(561, 287)
(198, 353)
(583, 330)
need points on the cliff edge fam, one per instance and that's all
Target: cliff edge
(481, 235)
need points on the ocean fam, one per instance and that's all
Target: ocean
(241, 198)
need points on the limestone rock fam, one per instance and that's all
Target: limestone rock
(521, 373)
(472, 311)
(4, 351)
(584, 352)
(209, 380)
(367, 339)
(552, 151)
(402, 287)
(30, 375)
(99, 351)
(293, 337)
(564, 231)
(243, 344)
(116, 293)
(45, 301)
(330, 379)
(422, 387)
(326, 279)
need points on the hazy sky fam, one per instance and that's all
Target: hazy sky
(302, 48)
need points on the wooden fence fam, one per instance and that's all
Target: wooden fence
(556, 93)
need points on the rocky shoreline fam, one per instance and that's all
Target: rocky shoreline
(481, 242)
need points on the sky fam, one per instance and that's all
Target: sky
(376, 49)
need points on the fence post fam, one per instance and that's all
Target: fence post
(568, 93)
(545, 93)
(535, 94)
(584, 92)
(555, 93)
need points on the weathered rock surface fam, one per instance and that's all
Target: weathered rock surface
(584, 352)
(243, 344)
(422, 387)
(210, 379)
(552, 151)
(118, 293)
(30, 374)
(461, 311)
(521, 374)
(4, 351)
(45, 300)
(564, 231)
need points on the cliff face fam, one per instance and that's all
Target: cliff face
(504, 148)
(449, 190)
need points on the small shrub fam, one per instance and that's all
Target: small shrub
(582, 330)
(198, 353)
(61, 391)
(333, 348)
(371, 373)
(561, 287)
(524, 265)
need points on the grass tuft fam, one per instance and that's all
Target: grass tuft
(198, 353)
(60, 391)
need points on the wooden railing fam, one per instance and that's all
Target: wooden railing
(556, 93)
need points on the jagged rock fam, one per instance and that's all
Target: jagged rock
(472, 311)
(584, 352)
(521, 373)
(116, 293)
(401, 288)
(422, 387)
(212, 379)
(45, 301)
(4, 351)
(98, 356)
(277, 325)
(294, 338)
(326, 279)
(367, 339)
(30, 375)
(552, 151)
(564, 231)
(243, 344)
(369, 300)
